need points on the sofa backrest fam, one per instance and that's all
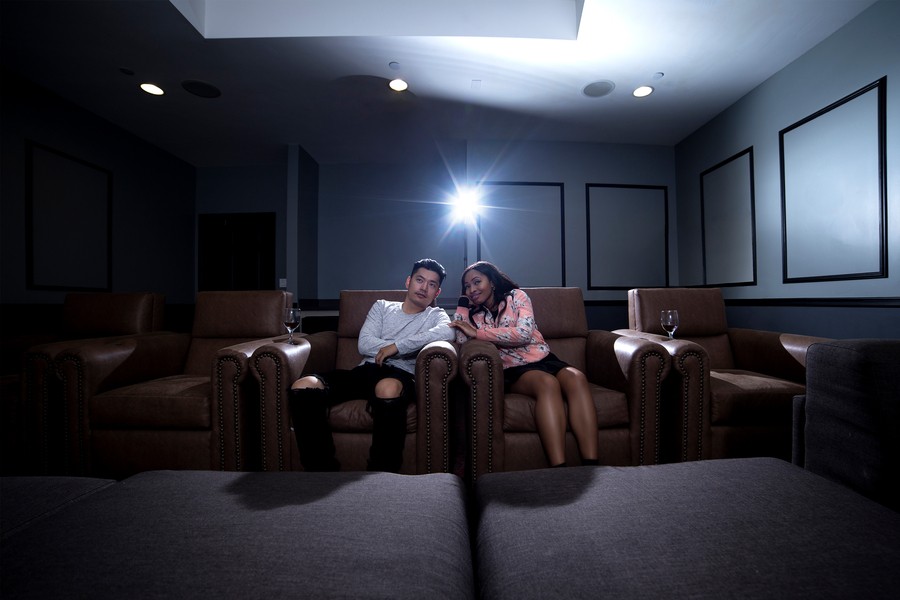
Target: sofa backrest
(701, 315)
(102, 314)
(561, 319)
(851, 432)
(226, 318)
(352, 310)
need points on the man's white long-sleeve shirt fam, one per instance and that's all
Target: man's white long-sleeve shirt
(387, 324)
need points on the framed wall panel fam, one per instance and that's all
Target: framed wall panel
(627, 236)
(521, 229)
(833, 191)
(69, 228)
(728, 221)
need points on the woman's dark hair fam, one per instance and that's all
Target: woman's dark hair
(500, 281)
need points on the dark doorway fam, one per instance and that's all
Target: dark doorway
(236, 251)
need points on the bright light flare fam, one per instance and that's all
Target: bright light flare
(466, 205)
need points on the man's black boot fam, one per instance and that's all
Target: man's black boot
(309, 414)
(388, 434)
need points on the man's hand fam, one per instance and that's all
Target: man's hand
(385, 353)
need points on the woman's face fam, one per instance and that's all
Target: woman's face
(478, 288)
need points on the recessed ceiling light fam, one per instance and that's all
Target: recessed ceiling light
(398, 85)
(152, 89)
(644, 90)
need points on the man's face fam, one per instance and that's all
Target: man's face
(422, 287)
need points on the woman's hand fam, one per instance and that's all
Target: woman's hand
(467, 329)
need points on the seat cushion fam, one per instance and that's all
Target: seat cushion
(176, 402)
(210, 534)
(749, 528)
(28, 499)
(612, 410)
(747, 398)
(352, 417)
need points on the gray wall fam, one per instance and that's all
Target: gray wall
(247, 189)
(152, 196)
(372, 220)
(865, 50)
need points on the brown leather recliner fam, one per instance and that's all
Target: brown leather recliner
(86, 317)
(732, 388)
(277, 366)
(170, 400)
(625, 374)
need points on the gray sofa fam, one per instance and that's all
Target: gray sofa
(753, 528)
(748, 528)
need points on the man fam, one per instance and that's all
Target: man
(389, 341)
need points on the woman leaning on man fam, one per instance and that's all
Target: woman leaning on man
(493, 308)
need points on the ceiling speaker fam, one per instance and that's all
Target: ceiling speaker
(598, 89)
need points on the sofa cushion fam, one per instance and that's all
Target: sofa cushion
(352, 417)
(26, 500)
(747, 398)
(748, 528)
(611, 406)
(209, 534)
(176, 402)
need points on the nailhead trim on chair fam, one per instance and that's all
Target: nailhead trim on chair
(81, 459)
(444, 413)
(685, 393)
(490, 439)
(656, 416)
(643, 410)
(278, 412)
(237, 415)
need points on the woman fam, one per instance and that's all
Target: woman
(494, 309)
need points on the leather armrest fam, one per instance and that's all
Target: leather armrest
(234, 393)
(777, 354)
(276, 366)
(116, 362)
(481, 370)
(97, 366)
(436, 366)
(637, 367)
(689, 385)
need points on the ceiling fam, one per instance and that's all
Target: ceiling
(315, 72)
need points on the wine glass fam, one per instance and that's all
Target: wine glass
(291, 322)
(669, 321)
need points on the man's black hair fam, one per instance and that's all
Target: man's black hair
(431, 265)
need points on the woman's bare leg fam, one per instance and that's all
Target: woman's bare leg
(582, 414)
(549, 412)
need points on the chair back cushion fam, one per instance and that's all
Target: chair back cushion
(352, 310)
(701, 315)
(107, 314)
(226, 318)
(561, 319)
